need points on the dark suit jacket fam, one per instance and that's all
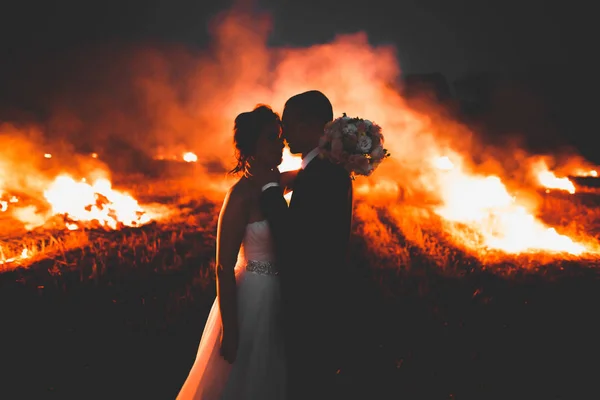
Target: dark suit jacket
(312, 236)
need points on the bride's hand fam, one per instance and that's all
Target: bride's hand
(229, 346)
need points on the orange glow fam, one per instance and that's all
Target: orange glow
(289, 161)
(443, 163)
(190, 157)
(481, 198)
(549, 180)
(484, 204)
(4, 204)
(98, 202)
(591, 173)
(21, 257)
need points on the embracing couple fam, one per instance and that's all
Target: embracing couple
(279, 326)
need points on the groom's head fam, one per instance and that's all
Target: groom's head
(304, 118)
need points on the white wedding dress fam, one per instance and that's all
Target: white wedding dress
(259, 369)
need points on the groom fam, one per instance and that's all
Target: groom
(311, 240)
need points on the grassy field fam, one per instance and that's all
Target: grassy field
(119, 315)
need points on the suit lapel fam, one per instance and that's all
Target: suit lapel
(302, 184)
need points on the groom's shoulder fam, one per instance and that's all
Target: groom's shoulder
(326, 168)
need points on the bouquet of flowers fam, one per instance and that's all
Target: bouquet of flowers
(355, 143)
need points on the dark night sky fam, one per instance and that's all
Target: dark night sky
(431, 35)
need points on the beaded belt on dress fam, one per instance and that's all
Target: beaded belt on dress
(262, 267)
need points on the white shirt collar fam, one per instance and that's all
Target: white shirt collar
(309, 157)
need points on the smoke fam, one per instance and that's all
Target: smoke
(28, 159)
(132, 103)
(158, 100)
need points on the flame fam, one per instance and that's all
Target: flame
(429, 149)
(23, 256)
(443, 163)
(382, 187)
(190, 157)
(589, 173)
(484, 204)
(549, 180)
(4, 203)
(83, 202)
(289, 161)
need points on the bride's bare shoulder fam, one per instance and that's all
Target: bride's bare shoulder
(240, 192)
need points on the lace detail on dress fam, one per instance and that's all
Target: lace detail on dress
(262, 267)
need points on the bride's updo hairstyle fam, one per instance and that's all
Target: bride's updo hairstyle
(248, 127)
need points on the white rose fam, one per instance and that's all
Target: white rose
(350, 129)
(364, 144)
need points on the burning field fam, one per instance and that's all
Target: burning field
(476, 257)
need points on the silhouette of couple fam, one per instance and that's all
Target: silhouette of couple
(279, 326)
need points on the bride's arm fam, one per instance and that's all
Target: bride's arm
(230, 233)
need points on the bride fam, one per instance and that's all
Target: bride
(241, 354)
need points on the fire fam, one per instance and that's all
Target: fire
(4, 203)
(187, 156)
(23, 256)
(590, 173)
(99, 202)
(190, 157)
(478, 209)
(443, 163)
(382, 187)
(289, 161)
(484, 204)
(288, 197)
(549, 180)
